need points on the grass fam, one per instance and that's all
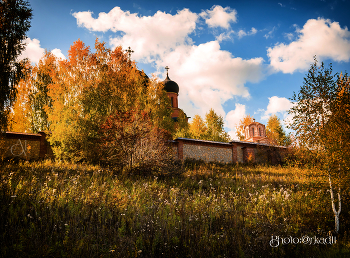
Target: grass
(53, 209)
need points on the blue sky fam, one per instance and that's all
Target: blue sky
(237, 57)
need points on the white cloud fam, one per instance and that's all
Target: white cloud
(210, 76)
(207, 76)
(270, 33)
(242, 33)
(58, 53)
(219, 16)
(224, 36)
(233, 118)
(277, 105)
(33, 50)
(320, 37)
(148, 36)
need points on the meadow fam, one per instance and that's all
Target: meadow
(52, 209)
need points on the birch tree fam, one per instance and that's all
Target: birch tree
(321, 121)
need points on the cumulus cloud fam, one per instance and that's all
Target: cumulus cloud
(210, 76)
(219, 16)
(149, 36)
(207, 75)
(33, 50)
(233, 118)
(58, 53)
(320, 37)
(243, 33)
(277, 105)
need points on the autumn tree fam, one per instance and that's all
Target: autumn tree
(129, 140)
(211, 129)
(321, 123)
(247, 120)
(198, 128)
(88, 88)
(15, 16)
(20, 114)
(275, 133)
(215, 127)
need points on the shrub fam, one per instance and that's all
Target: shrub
(129, 141)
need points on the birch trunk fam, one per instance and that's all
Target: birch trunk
(336, 213)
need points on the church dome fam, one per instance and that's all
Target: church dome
(169, 85)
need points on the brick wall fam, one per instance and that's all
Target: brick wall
(24, 146)
(235, 151)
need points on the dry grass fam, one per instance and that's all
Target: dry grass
(67, 210)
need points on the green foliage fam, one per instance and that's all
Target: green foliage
(321, 116)
(275, 132)
(15, 16)
(38, 98)
(312, 109)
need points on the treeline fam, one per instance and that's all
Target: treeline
(72, 99)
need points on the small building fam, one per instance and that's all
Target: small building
(255, 132)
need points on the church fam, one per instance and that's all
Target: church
(172, 90)
(254, 148)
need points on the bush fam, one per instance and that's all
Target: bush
(130, 142)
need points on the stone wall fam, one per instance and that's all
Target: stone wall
(207, 152)
(233, 152)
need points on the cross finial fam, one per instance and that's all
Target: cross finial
(129, 50)
(167, 69)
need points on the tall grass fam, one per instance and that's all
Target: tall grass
(67, 210)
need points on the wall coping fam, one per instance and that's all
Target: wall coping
(16, 135)
(203, 141)
(227, 143)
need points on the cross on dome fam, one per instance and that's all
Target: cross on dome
(129, 50)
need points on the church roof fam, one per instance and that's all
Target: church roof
(169, 85)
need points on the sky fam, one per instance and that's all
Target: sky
(237, 57)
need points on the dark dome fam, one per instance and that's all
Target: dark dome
(170, 86)
(145, 78)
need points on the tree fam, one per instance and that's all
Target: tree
(182, 127)
(321, 122)
(198, 129)
(247, 120)
(89, 87)
(15, 16)
(20, 115)
(42, 78)
(215, 127)
(312, 109)
(212, 129)
(275, 133)
(129, 140)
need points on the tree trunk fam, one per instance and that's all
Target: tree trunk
(336, 213)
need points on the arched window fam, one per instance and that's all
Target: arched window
(253, 131)
(259, 131)
(172, 101)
